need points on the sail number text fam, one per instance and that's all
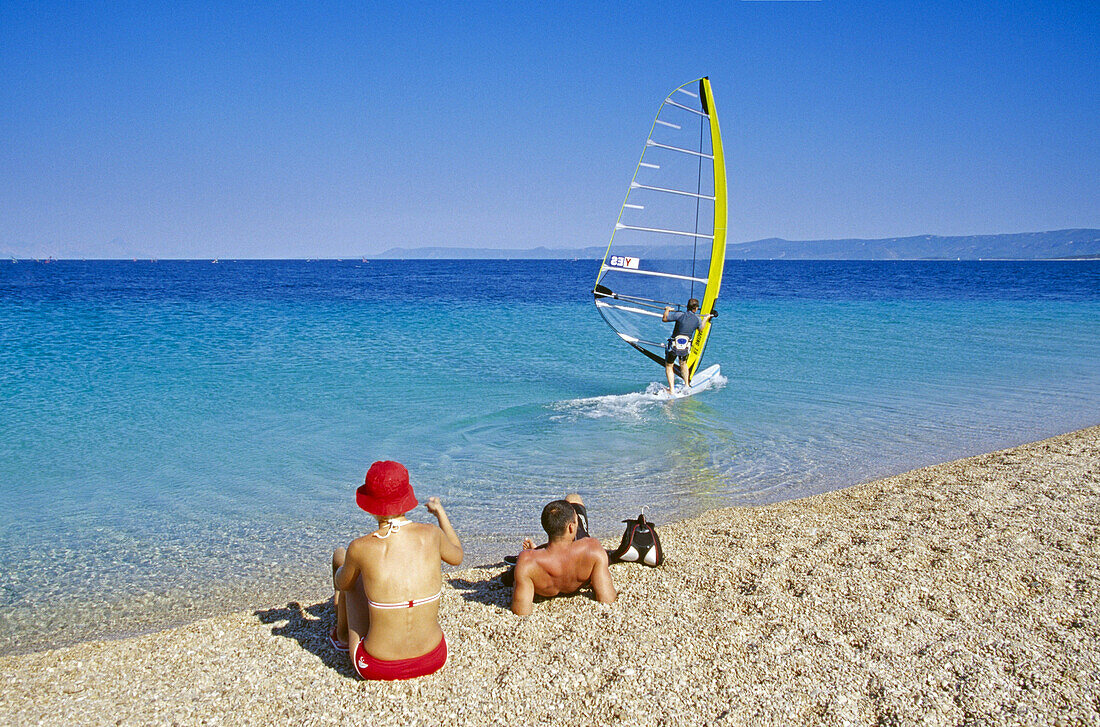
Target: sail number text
(620, 261)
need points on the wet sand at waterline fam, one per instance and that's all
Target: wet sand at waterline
(963, 593)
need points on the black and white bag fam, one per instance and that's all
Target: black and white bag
(640, 544)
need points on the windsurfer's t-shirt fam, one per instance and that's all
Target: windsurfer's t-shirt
(687, 323)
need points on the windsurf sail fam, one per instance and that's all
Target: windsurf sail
(669, 241)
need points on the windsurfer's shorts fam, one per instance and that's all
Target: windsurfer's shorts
(368, 667)
(677, 348)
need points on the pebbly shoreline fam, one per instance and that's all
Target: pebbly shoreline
(963, 593)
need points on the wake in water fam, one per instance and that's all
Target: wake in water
(624, 406)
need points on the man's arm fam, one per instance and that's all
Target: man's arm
(450, 549)
(664, 316)
(601, 577)
(523, 592)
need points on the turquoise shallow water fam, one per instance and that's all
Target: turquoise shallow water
(182, 438)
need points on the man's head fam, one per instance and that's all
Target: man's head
(693, 305)
(556, 519)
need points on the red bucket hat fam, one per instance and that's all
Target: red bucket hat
(386, 491)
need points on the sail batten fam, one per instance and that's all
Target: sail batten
(635, 185)
(670, 102)
(668, 242)
(676, 148)
(655, 304)
(630, 309)
(621, 226)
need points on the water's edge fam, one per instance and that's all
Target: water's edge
(153, 613)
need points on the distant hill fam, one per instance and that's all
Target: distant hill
(1023, 245)
(1063, 244)
(1056, 244)
(116, 249)
(487, 253)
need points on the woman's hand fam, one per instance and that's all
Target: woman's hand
(450, 548)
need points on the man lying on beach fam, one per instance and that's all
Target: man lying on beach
(397, 636)
(563, 565)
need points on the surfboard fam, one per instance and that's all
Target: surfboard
(669, 240)
(699, 382)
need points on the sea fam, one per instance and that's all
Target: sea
(184, 438)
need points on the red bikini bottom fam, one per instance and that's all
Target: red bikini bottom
(370, 668)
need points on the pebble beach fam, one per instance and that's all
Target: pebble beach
(962, 593)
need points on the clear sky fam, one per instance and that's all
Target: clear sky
(320, 129)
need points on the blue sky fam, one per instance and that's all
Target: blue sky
(323, 130)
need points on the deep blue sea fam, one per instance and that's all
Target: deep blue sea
(182, 438)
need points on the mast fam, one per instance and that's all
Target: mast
(718, 249)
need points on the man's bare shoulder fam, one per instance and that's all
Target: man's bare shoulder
(530, 558)
(541, 563)
(591, 547)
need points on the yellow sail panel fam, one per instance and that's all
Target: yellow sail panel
(718, 248)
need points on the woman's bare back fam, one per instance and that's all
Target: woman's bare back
(402, 567)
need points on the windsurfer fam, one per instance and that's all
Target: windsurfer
(679, 344)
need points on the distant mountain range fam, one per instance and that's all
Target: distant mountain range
(1056, 244)
(116, 249)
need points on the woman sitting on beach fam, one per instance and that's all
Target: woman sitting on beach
(388, 583)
